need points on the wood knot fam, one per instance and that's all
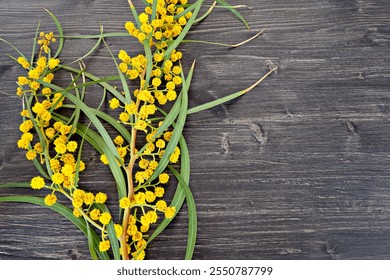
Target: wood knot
(352, 127)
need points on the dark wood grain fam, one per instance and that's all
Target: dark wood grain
(297, 169)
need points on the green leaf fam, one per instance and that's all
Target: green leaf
(234, 11)
(95, 47)
(61, 209)
(60, 33)
(232, 96)
(207, 13)
(135, 13)
(99, 81)
(91, 245)
(16, 185)
(15, 48)
(35, 44)
(103, 35)
(192, 217)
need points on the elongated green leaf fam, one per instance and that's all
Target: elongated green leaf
(59, 208)
(15, 185)
(34, 44)
(232, 96)
(234, 11)
(12, 46)
(192, 217)
(100, 81)
(104, 35)
(94, 48)
(135, 13)
(207, 13)
(91, 245)
(115, 124)
(60, 33)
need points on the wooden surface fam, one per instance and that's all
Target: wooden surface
(297, 169)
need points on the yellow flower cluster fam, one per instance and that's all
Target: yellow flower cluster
(55, 146)
(156, 89)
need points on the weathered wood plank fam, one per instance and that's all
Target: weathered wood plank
(297, 169)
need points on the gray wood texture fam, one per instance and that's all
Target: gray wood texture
(296, 169)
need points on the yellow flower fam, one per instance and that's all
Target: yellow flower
(77, 202)
(124, 203)
(114, 103)
(55, 165)
(50, 199)
(37, 183)
(170, 85)
(53, 63)
(143, 163)
(119, 140)
(141, 37)
(129, 26)
(88, 198)
(124, 117)
(67, 170)
(100, 197)
(177, 80)
(57, 178)
(26, 126)
(143, 17)
(161, 205)
(160, 144)
(105, 218)
(171, 95)
(38, 148)
(156, 82)
(159, 191)
(174, 158)
(150, 196)
(77, 213)
(170, 212)
(30, 155)
(60, 148)
(95, 214)
(138, 255)
(137, 236)
(163, 178)
(22, 80)
(140, 125)
(104, 245)
(103, 158)
(71, 146)
(152, 216)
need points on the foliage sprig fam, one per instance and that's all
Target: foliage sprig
(53, 132)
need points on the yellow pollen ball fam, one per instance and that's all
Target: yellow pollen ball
(37, 183)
